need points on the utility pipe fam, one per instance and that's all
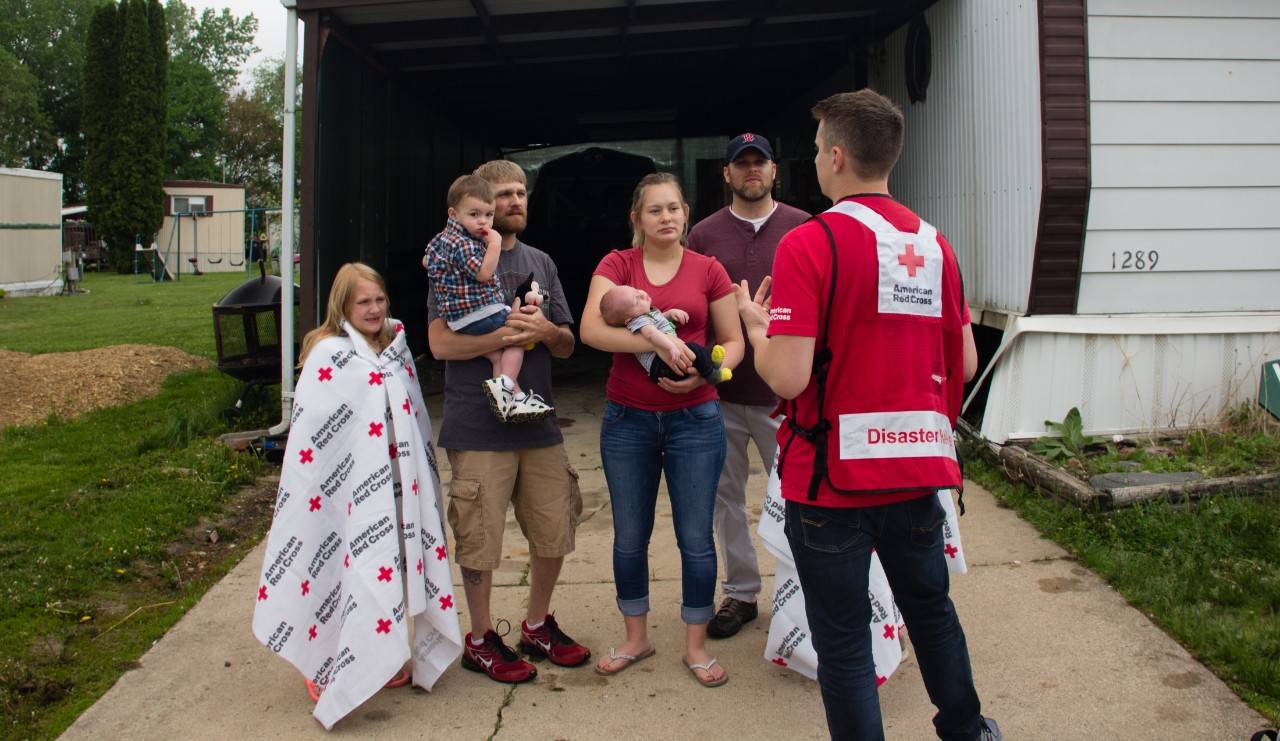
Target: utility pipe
(286, 218)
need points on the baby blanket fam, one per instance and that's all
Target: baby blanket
(331, 599)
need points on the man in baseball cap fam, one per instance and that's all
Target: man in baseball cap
(743, 236)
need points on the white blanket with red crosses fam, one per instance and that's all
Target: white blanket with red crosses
(331, 598)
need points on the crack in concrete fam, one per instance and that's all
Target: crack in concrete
(506, 701)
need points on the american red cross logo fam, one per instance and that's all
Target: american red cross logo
(315, 503)
(409, 369)
(306, 588)
(419, 565)
(911, 260)
(780, 661)
(446, 602)
(375, 378)
(415, 486)
(888, 631)
(391, 451)
(375, 429)
(440, 553)
(384, 626)
(262, 592)
(326, 374)
(306, 455)
(311, 633)
(349, 508)
(384, 573)
(399, 328)
(406, 407)
(951, 550)
(346, 561)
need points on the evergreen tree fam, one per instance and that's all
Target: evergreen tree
(99, 122)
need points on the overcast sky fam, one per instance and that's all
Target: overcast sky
(271, 25)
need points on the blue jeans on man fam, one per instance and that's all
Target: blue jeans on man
(636, 447)
(832, 550)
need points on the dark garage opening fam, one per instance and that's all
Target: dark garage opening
(404, 95)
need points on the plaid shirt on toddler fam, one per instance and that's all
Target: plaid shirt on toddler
(453, 258)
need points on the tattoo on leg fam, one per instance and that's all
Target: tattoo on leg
(472, 576)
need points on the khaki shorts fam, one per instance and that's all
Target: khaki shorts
(541, 484)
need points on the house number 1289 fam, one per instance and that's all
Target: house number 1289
(1138, 260)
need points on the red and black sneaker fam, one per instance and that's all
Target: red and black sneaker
(547, 640)
(492, 657)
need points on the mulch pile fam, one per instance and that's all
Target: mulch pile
(72, 383)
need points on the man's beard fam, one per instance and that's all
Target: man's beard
(750, 192)
(507, 225)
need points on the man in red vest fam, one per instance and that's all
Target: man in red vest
(867, 336)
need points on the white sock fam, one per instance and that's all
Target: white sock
(534, 626)
(507, 383)
(521, 396)
(476, 641)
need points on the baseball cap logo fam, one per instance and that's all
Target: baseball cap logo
(748, 137)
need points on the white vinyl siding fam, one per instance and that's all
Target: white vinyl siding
(1185, 136)
(971, 163)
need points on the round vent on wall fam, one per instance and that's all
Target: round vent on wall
(918, 59)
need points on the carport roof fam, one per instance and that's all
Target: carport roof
(598, 69)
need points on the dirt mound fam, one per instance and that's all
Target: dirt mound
(72, 383)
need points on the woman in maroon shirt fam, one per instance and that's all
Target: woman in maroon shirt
(669, 426)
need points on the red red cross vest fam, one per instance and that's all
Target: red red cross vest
(886, 401)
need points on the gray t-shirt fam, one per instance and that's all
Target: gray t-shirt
(468, 424)
(653, 318)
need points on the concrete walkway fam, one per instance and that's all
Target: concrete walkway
(1056, 654)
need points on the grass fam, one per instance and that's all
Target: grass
(94, 506)
(1209, 575)
(118, 309)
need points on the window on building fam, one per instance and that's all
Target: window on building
(190, 204)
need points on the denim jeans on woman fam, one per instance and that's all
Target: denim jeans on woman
(636, 447)
(832, 549)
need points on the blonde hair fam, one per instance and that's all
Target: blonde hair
(501, 171)
(614, 304)
(469, 186)
(637, 199)
(344, 285)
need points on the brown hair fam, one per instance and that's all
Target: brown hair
(614, 304)
(472, 186)
(344, 285)
(637, 199)
(501, 171)
(867, 126)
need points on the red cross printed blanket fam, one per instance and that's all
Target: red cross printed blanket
(357, 531)
(789, 643)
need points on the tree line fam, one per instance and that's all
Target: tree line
(110, 91)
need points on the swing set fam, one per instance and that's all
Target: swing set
(210, 242)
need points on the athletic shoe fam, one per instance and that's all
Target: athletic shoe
(548, 641)
(494, 658)
(529, 409)
(500, 398)
(729, 619)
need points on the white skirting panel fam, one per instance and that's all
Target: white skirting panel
(1125, 373)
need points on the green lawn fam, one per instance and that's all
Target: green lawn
(118, 309)
(92, 505)
(1209, 574)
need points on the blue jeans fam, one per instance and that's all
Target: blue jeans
(832, 550)
(636, 447)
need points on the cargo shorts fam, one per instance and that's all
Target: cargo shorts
(539, 482)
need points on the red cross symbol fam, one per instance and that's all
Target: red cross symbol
(262, 592)
(375, 429)
(391, 451)
(346, 561)
(881, 680)
(306, 455)
(406, 407)
(384, 626)
(780, 661)
(384, 573)
(349, 508)
(315, 503)
(311, 633)
(409, 369)
(888, 631)
(419, 565)
(306, 588)
(440, 553)
(415, 486)
(399, 327)
(951, 550)
(911, 260)
(375, 378)
(446, 602)
(326, 374)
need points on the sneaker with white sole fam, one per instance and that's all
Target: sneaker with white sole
(530, 408)
(501, 399)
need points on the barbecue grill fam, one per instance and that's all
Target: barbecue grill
(246, 325)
